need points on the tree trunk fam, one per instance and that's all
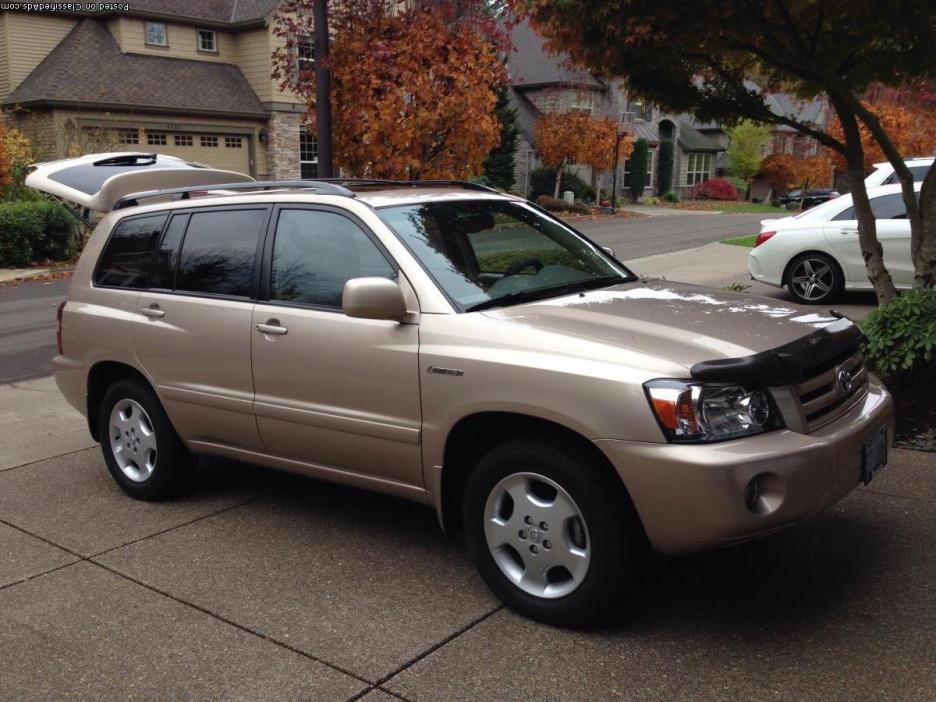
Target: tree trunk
(923, 249)
(871, 249)
(558, 180)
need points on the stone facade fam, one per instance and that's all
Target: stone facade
(283, 145)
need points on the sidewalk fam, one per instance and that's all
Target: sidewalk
(9, 274)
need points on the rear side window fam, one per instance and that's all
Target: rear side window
(128, 255)
(889, 207)
(167, 255)
(918, 173)
(219, 253)
(316, 253)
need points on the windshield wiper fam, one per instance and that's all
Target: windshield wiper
(516, 298)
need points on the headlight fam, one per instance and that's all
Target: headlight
(699, 412)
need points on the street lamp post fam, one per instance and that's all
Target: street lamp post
(323, 120)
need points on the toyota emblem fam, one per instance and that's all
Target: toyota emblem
(845, 381)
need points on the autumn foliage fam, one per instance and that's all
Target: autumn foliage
(6, 177)
(788, 171)
(560, 136)
(912, 128)
(413, 88)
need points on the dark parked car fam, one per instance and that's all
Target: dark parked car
(815, 196)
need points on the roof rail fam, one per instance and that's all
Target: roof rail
(322, 187)
(377, 182)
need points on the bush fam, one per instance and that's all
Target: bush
(638, 169)
(671, 197)
(665, 167)
(543, 182)
(651, 200)
(548, 202)
(715, 189)
(35, 230)
(498, 263)
(739, 183)
(901, 336)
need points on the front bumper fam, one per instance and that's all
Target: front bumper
(692, 497)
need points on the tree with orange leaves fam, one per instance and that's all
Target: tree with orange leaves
(413, 88)
(6, 177)
(559, 136)
(911, 128)
(788, 171)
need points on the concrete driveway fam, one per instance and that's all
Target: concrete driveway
(258, 585)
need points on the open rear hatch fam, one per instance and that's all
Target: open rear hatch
(97, 182)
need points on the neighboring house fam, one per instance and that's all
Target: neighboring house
(186, 78)
(541, 83)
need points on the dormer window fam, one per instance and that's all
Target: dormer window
(155, 34)
(208, 40)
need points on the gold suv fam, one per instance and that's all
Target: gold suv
(462, 348)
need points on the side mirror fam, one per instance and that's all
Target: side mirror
(373, 298)
(608, 250)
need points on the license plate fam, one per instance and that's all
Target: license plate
(873, 455)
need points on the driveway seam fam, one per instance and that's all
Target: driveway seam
(47, 458)
(435, 647)
(39, 575)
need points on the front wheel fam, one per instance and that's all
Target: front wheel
(815, 279)
(551, 533)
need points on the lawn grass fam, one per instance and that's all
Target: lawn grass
(731, 207)
(748, 241)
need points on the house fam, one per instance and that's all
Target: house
(191, 79)
(542, 82)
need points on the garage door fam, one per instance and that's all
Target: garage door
(228, 152)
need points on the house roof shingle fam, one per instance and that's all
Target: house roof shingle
(529, 64)
(691, 139)
(212, 11)
(88, 67)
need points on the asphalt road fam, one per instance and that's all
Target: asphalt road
(27, 311)
(27, 329)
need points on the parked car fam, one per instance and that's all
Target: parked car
(814, 196)
(451, 345)
(883, 173)
(816, 254)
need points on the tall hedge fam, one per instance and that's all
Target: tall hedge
(638, 169)
(499, 164)
(31, 231)
(665, 168)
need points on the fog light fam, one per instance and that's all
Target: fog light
(752, 494)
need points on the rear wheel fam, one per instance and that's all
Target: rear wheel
(815, 279)
(142, 450)
(551, 534)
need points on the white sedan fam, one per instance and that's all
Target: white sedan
(816, 253)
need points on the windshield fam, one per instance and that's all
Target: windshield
(488, 253)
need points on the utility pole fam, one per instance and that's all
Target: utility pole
(323, 120)
(617, 153)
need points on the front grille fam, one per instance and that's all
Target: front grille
(823, 396)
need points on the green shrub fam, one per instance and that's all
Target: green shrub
(671, 197)
(901, 336)
(638, 169)
(543, 182)
(35, 230)
(739, 183)
(651, 200)
(548, 202)
(665, 168)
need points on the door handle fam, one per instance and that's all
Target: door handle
(273, 327)
(153, 312)
(849, 231)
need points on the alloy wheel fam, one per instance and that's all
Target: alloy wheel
(537, 536)
(133, 440)
(813, 279)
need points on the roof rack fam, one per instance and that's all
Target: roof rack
(322, 187)
(378, 182)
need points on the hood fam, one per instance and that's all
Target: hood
(682, 323)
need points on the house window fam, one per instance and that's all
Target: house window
(210, 142)
(308, 154)
(182, 139)
(643, 111)
(305, 54)
(582, 102)
(128, 136)
(208, 40)
(155, 34)
(232, 142)
(156, 139)
(699, 167)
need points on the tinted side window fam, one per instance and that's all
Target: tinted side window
(316, 253)
(128, 255)
(844, 215)
(919, 173)
(167, 254)
(889, 207)
(219, 252)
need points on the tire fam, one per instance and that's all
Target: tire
(526, 570)
(141, 448)
(815, 279)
